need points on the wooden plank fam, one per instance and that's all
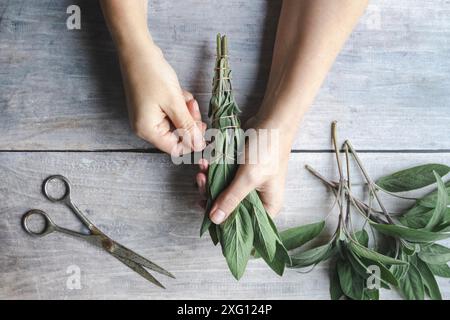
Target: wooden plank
(61, 89)
(148, 204)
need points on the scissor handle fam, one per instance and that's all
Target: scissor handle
(49, 225)
(66, 195)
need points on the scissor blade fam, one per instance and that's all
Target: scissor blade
(138, 269)
(126, 253)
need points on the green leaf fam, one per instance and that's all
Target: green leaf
(237, 240)
(435, 254)
(441, 205)
(281, 250)
(440, 270)
(278, 263)
(335, 287)
(312, 256)
(430, 200)
(386, 275)
(399, 271)
(265, 239)
(362, 237)
(412, 178)
(409, 234)
(411, 285)
(373, 255)
(371, 294)
(214, 233)
(418, 218)
(296, 237)
(429, 281)
(281, 256)
(351, 283)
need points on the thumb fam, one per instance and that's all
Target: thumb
(230, 198)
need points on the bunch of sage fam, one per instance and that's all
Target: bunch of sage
(249, 228)
(413, 257)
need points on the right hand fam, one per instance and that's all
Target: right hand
(156, 103)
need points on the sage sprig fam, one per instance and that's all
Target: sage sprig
(249, 228)
(413, 258)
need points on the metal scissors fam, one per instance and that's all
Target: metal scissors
(93, 236)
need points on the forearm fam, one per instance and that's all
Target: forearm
(310, 35)
(127, 22)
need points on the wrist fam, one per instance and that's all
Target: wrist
(285, 133)
(138, 48)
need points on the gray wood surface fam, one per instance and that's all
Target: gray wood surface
(61, 89)
(148, 204)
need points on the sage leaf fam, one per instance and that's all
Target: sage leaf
(265, 239)
(429, 281)
(214, 232)
(371, 294)
(335, 287)
(362, 237)
(430, 199)
(440, 270)
(441, 205)
(237, 240)
(362, 265)
(435, 254)
(409, 234)
(351, 283)
(386, 275)
(411, 285)
(296, 237)
(278, 263)
(418, 218)
(312, 256)
(412, 178)
(399, 271)
(282, 252)
(373, 255)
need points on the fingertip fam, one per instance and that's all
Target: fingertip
(217, 216)
(201, 183)
(203, 164)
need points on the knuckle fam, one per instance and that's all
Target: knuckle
(187, 95)
(188, 125)
(253, 176)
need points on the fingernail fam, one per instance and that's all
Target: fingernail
(218, 216)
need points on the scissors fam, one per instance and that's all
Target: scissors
(93, 236)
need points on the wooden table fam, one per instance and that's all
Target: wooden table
(62, 111)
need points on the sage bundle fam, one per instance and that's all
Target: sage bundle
(249, 229)
(411, 259)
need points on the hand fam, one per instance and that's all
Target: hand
(267, 177)
(157, 104)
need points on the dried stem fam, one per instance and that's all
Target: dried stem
(369, 180)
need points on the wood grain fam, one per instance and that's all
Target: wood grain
(61, 90)
(148, 204)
